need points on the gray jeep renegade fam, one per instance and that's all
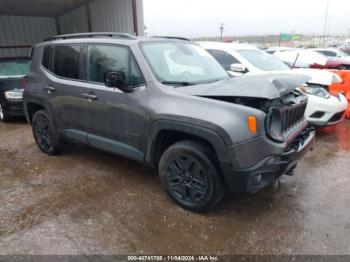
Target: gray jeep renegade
(167, 103)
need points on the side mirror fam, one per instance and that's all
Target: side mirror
(117, 79)
(239, 68)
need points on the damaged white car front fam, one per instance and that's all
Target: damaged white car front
(323, 108)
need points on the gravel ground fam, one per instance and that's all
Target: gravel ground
(90, 202)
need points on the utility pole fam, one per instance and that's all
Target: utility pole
(221, 31)
(279, 39)
(325, 23)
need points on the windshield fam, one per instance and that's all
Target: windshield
(14, 67)
(182, 63)
(263, 61)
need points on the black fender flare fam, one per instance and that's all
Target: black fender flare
(214, 135)
(42, 103)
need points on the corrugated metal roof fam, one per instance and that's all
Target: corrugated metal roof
(23, 31)
(38, 7)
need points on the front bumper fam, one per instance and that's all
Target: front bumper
(269, 168)
(325, 112)
(14, 108)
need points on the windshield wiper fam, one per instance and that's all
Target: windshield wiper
(215, 80)
(177, 83)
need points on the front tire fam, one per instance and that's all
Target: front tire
(190, 175)
(45, 134)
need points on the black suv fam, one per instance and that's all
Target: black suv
(12, 82)
(167, 103)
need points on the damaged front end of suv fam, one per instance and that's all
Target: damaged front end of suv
(282, 135)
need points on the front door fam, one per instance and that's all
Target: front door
(114, 120)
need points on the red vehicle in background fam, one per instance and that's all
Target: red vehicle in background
(330, 64)
(335, 56)
(310, 58)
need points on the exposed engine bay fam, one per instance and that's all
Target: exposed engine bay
(263, 104)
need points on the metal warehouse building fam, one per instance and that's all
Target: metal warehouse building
(26, 22)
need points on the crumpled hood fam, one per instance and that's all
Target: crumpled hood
(268, 86)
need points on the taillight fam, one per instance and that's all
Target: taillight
(24, 82)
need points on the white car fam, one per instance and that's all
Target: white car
(335, 54)
(273, 49)
(302, 58)
(323, 108)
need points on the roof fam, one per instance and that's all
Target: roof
(46, 8)
(110, 35)
(221, 45)
(91, 35)
(325, 49)
(107, 37)
(279, 48)
(6, 59)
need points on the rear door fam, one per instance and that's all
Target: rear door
(63, 85)
(114, 120)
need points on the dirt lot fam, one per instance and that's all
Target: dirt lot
(91, 202)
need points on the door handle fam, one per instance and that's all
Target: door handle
(49, 89)
(90, 96)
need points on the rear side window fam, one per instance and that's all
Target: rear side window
(328, 53)
(224, 58)
(67, 61)
(105, 58)
(46, 57)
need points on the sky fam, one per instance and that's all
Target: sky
(198, 18)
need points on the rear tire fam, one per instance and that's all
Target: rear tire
(190, 175)
(4, 117)
(45, 134)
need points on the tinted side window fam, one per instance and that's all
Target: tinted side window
(328, 53)
(332, 54)
(66, 61)
(224, 58)
(104, 58)
(46, 57)
(135, 78)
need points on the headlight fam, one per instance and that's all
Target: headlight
(316, 91)
(274, 125)
(16, 94)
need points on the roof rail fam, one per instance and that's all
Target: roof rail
(87, 35)
(173, 37)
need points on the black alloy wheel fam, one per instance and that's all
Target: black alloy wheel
(45, 134)
(189, 173)
(187, 179)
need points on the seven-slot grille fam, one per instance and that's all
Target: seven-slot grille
(291, 116)
(284, 121)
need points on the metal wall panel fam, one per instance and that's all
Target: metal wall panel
(21, 30)
(106, 15)
(140, 17)
(112, 15)
(74, 21)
